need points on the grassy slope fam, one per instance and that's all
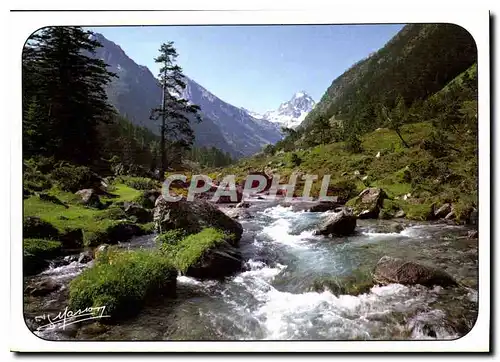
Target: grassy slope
(76, 216)
(386, 172)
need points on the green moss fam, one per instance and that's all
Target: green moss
(121, 281)
(187, 251)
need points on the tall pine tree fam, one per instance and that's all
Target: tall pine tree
(175, 111)
(63, 94)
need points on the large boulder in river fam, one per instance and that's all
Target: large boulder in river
(394, 270)
(193, 216)
(217, 263)
(339, 224)
(368, 203)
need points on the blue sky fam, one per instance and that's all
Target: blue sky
(256, 67)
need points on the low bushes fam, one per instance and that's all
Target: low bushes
(73, 178)
(138, 183)
(121, 281)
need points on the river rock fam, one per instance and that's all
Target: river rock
(100, 250)
(193, 216)
(399, 214)
(85, 257)
(442, 211)
(323, 206)
(243, 204)
(148, 198)
(122, 231)
(338, 224)
(41, 288)
(140, 213)
(473, 234)
(90, 198)
(71, 238)
(237, 213)
(394, 270)
(217, 263)
(450, 216)
(368, 203)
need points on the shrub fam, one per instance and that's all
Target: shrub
(295, 160)
(33, 177)
(73, 178)
(188, 251)
(138, 183)
(121, 281)
(353, 144)
(344, 189)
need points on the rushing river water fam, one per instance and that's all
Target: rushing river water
(272, 299)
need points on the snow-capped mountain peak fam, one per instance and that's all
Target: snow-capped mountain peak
(289, 114)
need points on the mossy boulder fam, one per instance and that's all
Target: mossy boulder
(122, 281)
(368, 203)
(395, 270)
(193, 217)
(34, 227)
(209, 254)
(148, 198)
(141, 214)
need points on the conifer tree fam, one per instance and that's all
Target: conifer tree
(64, 94)
(175, 111)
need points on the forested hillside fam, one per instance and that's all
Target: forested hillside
(419, 61)
(404, 119)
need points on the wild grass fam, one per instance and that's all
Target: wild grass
(121, 281)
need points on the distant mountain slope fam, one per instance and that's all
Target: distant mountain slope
(136, 91)
(416, 63)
